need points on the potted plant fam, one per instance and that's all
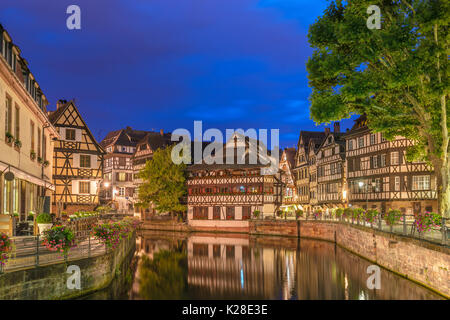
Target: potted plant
(45, 163)
(256, 214)
(44, 222)
(279, 213)
(30, 216)
(32, 155)
(39, 159)
(298, 213)
(17, 144)
(9, 137)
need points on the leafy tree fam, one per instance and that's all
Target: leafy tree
(396, 75)
(163, 183)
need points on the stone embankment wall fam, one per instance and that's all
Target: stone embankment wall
(50, 282)
(419, 261)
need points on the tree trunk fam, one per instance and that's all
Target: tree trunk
(443, 188)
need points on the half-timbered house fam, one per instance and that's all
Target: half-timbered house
(331, 170)
(77, 161)
(305, 169)
(287, 163)
(118, 189)
(145, 149)
(224, 196)
(380, 177)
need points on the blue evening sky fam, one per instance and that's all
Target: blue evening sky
(161, 64)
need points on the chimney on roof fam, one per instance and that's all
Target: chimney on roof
(161, 132)
(60, 103)
(327, 130)
(337, 127)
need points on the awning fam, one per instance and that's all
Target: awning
(27, 177)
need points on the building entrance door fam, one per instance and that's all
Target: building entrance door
(416, 207)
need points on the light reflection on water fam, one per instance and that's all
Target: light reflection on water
(225, 266)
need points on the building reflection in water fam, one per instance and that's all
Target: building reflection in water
(242, 267)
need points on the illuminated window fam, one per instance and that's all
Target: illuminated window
(84, 187)
(70, 134)
(85, 161)
(421, 183)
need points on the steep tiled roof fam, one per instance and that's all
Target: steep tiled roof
(123, 137)
(290, 156)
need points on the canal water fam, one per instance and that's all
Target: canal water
(171, 265)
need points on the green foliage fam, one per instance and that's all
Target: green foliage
(256, 213)
(298, 213)
(392, 217)
(60, 239)
(339, 212)
(44, 218)
(370, 215)
(164, 277)
(163, 183)
(348, 212)
(396, 75)
(425, 221)
(358, 213)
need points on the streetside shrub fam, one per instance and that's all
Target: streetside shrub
(256, 214)
(425, 221)
(279, 213)
(339, 212)
(44, 218)
(298, 213)
(60, 239)
(392, 217)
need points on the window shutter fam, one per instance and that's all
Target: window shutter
(93, 187)
(76, 160)
(77, 134)
(94, 163)
(74, 186)
(62, 133)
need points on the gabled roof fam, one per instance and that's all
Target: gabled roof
(307, 136)
(359, 126)
(123, 137)
(55, 115)
(156, 140)
(290, 156)
(245, 160)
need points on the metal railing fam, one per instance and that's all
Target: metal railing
(28, 251)
(405, 227)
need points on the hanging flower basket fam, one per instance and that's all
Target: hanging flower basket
(392, 217)
(425, 221)
(60, 239)
(6, 248)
